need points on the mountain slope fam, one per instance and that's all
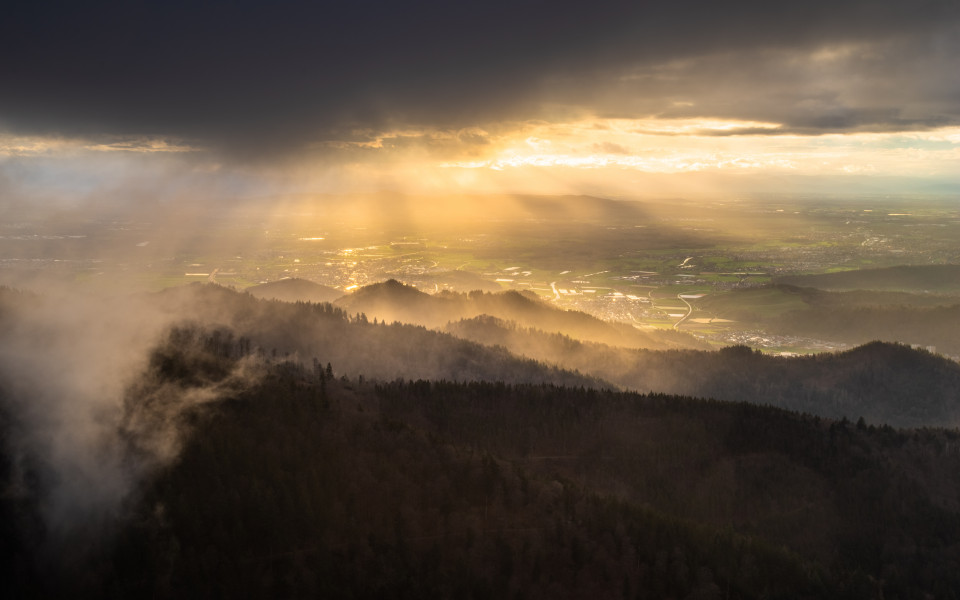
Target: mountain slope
(302, 486)
(294, 290)
(393, 301)
(358, 346)
(881, 382)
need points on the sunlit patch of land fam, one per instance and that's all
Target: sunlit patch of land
(703, 267)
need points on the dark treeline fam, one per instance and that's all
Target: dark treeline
(307, 484)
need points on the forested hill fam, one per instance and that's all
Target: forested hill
(352, 341)
(881, 382)
(303, 485)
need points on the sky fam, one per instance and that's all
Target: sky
(140, 102)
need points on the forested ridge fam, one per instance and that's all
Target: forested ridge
(356, 343)
(270, 449)
(312, 482)
(885, 383)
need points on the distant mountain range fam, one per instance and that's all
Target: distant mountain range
(851, 317)
(884, 383)
(911, 278)
(393, 301)
(881, 382)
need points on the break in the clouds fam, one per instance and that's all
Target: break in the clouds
(266, 79)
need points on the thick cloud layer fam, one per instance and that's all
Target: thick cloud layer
(257, 77)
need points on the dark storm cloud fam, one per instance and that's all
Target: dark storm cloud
(895, 83)
(259, 77)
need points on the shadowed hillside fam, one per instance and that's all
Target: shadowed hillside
(881, 382)
(305, 485)
(231, 466)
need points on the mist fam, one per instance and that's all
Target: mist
(92, 408)
(87, 417)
